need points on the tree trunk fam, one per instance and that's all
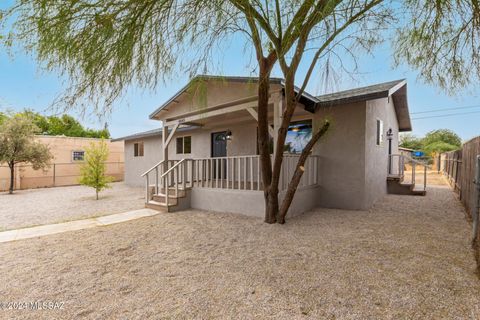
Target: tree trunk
(299, 170)
(96, 191)
(290, 100)
(270, 196)
(12, 177)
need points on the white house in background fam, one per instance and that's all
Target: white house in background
(206, 150)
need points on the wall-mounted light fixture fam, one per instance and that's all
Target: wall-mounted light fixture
(389, 134)
(229, 135)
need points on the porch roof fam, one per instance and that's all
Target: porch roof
(308, 100)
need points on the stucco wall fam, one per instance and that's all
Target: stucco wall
(376, 164)
(342, 157)
(243, 142)
(250, 203)
(135, 166)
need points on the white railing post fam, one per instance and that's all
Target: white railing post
(184, 174)
(258, 173)
(165, 190)
(156, 180)
(175, 179)
(227, 171)
(251, 172)
(239, 165)
(147, 189)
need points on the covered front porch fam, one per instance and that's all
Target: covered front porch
(214, 148)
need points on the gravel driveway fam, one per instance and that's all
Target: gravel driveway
(407, 258)
(33, 207)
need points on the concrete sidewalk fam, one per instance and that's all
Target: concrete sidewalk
(39, 231)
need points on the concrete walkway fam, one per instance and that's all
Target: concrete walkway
(39, 231)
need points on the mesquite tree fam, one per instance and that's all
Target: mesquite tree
(18, 145)
(281, 32)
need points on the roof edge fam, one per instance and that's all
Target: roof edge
(210, 77)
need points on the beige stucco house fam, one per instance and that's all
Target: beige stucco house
(206, 150)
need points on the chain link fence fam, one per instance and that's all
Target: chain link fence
(57, 175)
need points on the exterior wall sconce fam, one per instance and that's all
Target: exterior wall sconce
(229, 135)
(389, 134)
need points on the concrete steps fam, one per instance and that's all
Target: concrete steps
(396, 186)
(175, 203)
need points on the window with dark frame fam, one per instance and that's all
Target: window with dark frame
(184, 145)
(78, 155)
(138, 149)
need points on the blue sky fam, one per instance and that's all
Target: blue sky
(24, 85)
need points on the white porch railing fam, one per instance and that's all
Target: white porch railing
(244, 172)
(235, 173)
(397, 165)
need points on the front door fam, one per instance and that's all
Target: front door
(219, 149)
(219, 144)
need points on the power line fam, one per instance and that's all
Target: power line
(445, 109)
(446, 115)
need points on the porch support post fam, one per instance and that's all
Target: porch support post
(254, 114)
(277, 118)
(165, 146)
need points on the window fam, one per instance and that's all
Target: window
(379, 135)
(184, 145)
(78, 155)
(138, 149)
(298, 135)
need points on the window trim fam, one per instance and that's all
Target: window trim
(136, 145)
(183, 144)
(73, 155)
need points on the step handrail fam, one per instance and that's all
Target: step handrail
(415, 162)
(152, 168)
(173, 167)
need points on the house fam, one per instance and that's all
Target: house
(205, 154)
(68, 153)
(406, 151)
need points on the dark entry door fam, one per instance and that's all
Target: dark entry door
(219, 149)
(219, 144)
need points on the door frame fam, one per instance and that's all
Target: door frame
(211, 143)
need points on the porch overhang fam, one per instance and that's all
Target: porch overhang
(307, 100)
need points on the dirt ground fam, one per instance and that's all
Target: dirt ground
(434, 178)
(26, 208)
(407, 258)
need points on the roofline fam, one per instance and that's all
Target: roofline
(140, 135)
(397, 86)
(151, 133)
(69, 137)
(210, 77)
(362, 97)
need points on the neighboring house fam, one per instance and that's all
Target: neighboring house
(212, 124)
(406, 151)
(68, 153)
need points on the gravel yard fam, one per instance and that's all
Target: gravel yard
(26, 208)
(408, 257)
